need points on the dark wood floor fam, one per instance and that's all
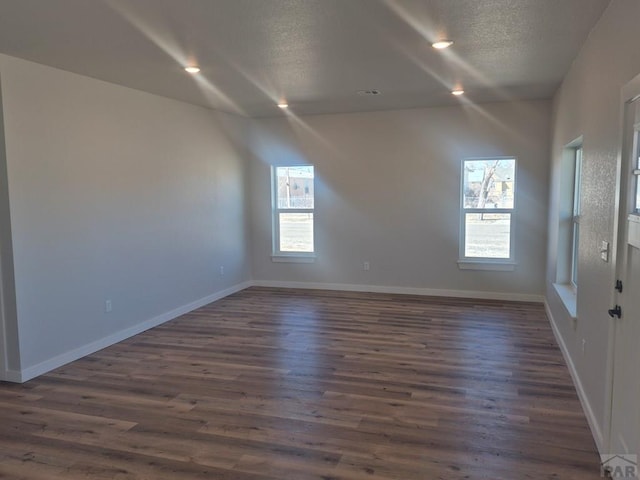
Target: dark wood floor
(290, 384)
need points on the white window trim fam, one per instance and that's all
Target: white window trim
(487, 263)
(481, 264)
(294, 257)
(636, 167)
(575, 219)
(568, 294)
(566, 285)
(278, 256)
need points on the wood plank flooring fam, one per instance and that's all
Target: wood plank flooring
(291, 384)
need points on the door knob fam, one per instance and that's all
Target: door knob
(615, 312)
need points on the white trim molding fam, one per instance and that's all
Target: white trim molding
(430, 292)
(592, 420)
(568, 296)
(67, 357)
(485, 264)
(296, 258)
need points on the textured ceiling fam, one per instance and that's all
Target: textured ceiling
(314, 53)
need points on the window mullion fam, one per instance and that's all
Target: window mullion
(294, 210)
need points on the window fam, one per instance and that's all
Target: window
(575, 217)
(293, 204)
(566, 284)
(488, 200)
(636, 170)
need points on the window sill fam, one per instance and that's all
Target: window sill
(568, 295)
(496, 266)
(294, 258)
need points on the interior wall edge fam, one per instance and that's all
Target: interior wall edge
(9, 345)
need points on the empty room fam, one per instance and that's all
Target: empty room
(319, 239)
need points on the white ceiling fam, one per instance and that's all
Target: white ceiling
(314, 53)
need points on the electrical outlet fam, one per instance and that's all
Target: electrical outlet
(221, 270)
(108, 306)
(366, 266)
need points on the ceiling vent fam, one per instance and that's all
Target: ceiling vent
(366, 93)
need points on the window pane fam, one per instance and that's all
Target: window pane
(295, 187)
(296, 232)
(577, 182)
(574, 253)
(489, 183)
(487, 235)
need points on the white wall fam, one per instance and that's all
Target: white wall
(588, 104)
(388, 192)
(114, 194)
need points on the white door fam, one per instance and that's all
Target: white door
(624, 433)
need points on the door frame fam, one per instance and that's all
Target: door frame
(629, 93)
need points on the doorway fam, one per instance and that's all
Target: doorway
(624, 424)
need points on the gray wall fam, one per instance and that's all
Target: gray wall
(388, 192)
(107, 192)
(114, 194)
(588, 104)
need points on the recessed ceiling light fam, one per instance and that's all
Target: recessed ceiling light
(192, 69)
(457, 92)
(442, 44)
(283, 105)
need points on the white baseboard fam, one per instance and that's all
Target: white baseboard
(431, 292)
(64, 358)
(596, 431)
